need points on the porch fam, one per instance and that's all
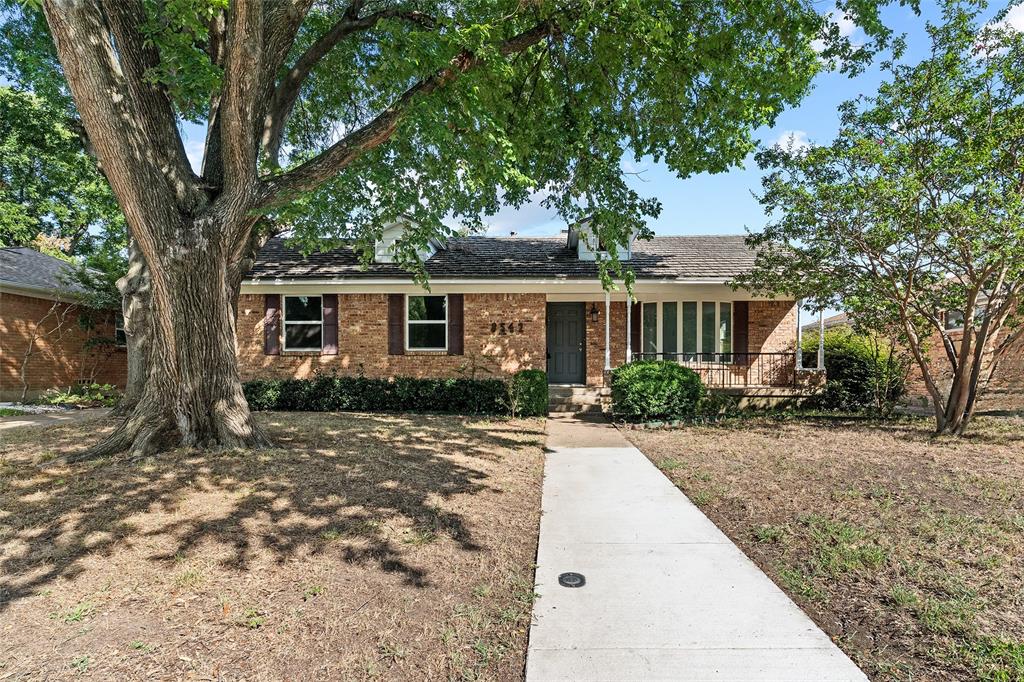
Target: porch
(734, 344)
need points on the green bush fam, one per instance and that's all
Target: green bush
(528, 393)
(332, 393)
(655, 389)
(864, 372)
(85, 395)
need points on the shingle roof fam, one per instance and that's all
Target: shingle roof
(715, 257)
(27, 268)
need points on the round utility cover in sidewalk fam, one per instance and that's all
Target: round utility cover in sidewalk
(572, 580)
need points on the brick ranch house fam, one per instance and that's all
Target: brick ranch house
(40, 330)
(498, 305)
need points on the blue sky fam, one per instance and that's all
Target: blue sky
(724, 203)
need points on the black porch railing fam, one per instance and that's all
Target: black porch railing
(728, 370)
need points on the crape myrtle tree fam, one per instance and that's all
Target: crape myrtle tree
(332, 118)
(916, 210)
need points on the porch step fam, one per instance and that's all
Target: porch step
(577, 398)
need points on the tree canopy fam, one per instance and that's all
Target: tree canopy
(333, 118)
(916, 208)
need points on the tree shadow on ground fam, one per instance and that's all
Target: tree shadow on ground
(367, 480)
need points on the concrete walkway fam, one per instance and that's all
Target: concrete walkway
(668, 596)
(53, 418)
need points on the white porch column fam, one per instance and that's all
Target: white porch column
(607, 330)
(821, 340)
(799, 337)
(629, 328)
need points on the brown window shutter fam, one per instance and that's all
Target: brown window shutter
(330, 310)
(396, 324)
(636, 324)
(456, 335)
(740, 323)
(272, 324)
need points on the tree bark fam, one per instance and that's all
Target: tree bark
(134, 288)
(189, 393)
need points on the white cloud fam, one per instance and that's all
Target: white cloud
(845, 23)
(794, 140)
(1014, 19)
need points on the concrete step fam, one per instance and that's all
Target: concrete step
(577, 399)
(566, 391)
(575, 408)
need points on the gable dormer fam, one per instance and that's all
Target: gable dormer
(583, 239)
(384, 248)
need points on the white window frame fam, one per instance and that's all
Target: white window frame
(680, 353)
(408, 322)
(285, 322)
(119, 327)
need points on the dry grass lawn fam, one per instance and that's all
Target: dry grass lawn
(907, 550)
(366, 546)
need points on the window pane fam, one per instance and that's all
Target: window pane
(302, 308)
(668, 328)
(302, 336)
(707, 328)
(954, 319)
(725, 327)
(427, 335)
(426, 307)
(689, 327)
(650, 327)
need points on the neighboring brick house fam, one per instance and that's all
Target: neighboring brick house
(1005, 391)
(497, 305)
(41, 321)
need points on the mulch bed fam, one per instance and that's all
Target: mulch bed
(906, 549)
(366, 546)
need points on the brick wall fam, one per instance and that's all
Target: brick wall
(363, 335)
(60, 356)
(1004, 392)
(595, 340)
(771, 327)
(363, 341)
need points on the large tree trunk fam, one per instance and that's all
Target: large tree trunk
(191, 395)
(135, 289)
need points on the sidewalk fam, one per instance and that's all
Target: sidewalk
(667, 595)
(53, 418)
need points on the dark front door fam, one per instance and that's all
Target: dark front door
(566, 334)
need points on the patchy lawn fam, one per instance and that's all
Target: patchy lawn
(366, 546)
(907, 550)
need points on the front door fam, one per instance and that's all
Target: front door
(566, 335)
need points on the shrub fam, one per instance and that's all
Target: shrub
(863, 371)
(528, 393)
(86, 395)
(656, 389)
(330, 393)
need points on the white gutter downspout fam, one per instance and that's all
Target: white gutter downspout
(607, 330)
(799, 337)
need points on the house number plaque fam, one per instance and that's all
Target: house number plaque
(503, 328)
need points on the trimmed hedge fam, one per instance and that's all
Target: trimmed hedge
(655, 389)
(331, 393)
(528, 393)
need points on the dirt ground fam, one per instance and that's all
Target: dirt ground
(908, 550)
(366, 546)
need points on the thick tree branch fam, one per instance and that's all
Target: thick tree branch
(287, 91)
(243, 63)
(329, 163)
(124, 119)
